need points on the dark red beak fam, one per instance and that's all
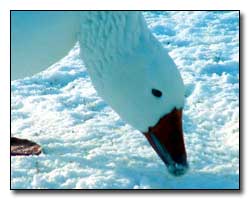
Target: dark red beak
(166, 137)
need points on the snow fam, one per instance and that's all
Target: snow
(86, 145)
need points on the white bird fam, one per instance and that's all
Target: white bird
(128, 66)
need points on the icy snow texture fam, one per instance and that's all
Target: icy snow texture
(87, 145)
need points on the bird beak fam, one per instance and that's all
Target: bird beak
(166, 137)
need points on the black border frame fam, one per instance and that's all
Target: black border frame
(140, 191)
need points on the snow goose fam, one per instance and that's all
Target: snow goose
(128, 66)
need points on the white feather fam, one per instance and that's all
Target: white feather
(123, 58)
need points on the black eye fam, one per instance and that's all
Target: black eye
(156, 92)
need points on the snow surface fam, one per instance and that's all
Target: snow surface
(86, 144)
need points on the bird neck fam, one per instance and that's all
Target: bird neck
(107, 36)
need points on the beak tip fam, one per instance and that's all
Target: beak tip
(177, 169)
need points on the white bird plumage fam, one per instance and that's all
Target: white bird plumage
(123, 58)
(126, 63)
